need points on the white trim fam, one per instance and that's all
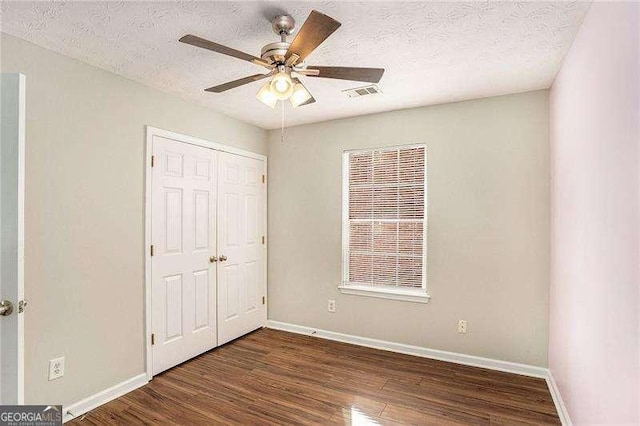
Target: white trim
(147, 254)
(81, 407)
(345, 217)
(425, 226)
(22, 87)
(393, 293)
(150, 133)
(388, 292)
(386, 147)
(458, 358)
(563, 413)
(14, 156)
(265, 226)
(154, 131)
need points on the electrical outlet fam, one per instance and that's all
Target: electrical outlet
(462, 326)
(331, 305)
(56, 368)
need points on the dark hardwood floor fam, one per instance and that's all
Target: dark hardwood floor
(273, 377)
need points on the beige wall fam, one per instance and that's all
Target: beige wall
(84, 215)
(488, 242)
(488, 221)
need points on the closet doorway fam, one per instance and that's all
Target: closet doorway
(206, 246)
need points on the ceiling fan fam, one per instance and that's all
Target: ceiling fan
(284, 60)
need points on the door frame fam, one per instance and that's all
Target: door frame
(20, 191)
(179, 137)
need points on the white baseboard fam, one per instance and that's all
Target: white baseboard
(563, 413)
(81, 407)
(458, 358)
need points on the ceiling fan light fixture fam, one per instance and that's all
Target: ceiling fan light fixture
(282, 86)
(266, 96)
(283, 57)
(300, 95)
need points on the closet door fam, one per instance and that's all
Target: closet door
(241, 260)
(183, 228)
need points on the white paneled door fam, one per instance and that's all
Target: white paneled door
(241, 268)
(183, 235)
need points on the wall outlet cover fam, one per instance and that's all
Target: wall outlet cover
(331, 305)
(56, 368)
(462, 326)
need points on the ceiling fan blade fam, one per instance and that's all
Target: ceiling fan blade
(236, 83)
(371, 75)
(215, 47)
(316, 29)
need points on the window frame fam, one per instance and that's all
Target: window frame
(420, 295)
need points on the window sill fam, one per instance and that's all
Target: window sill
(386, 293)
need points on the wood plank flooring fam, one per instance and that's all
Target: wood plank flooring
(273, 377)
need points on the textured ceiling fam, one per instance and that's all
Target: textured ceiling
(432, 52)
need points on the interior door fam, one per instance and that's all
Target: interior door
(241, 267)
(12, 135)
(183, 234)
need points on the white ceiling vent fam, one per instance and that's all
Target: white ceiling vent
(372, 89)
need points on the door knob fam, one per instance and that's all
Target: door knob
(6, 308)
(223, 258)
(213, 259)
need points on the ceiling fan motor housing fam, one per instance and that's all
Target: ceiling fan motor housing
(275, 52)
(283, 26)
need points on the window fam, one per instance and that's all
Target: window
(384, 223)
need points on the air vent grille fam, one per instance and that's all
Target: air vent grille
(362, 91)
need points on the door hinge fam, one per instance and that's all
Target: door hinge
(263, 179)
(263, 300)
(151, 249)
(153, 157)
(153, 339)
(263, 239)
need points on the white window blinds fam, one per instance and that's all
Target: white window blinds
(384, 224)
